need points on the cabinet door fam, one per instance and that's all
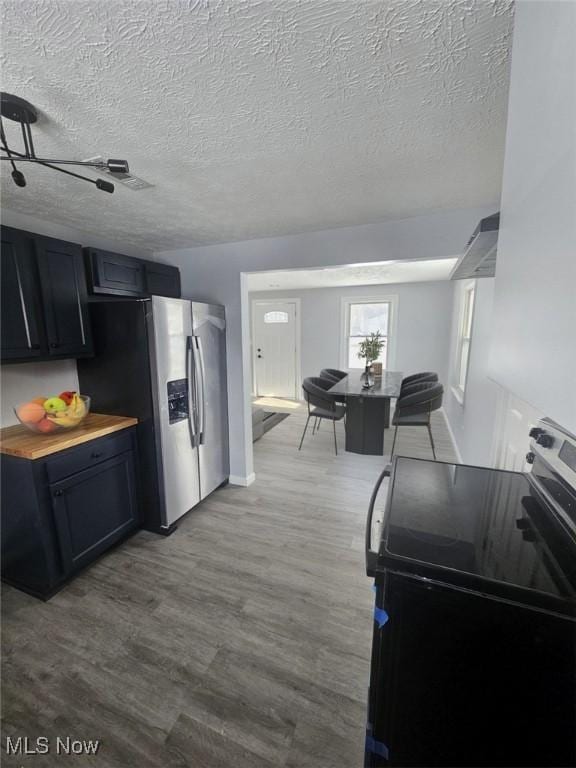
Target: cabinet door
(63, 289)
(95, 508)
(115, 274)
(20, 306)
(162, 280)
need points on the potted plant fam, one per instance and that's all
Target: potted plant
(369, 351)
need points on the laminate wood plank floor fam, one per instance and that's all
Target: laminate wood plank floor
(242, 640)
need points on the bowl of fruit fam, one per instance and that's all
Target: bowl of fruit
(46, 415)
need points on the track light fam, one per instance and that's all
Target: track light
(18, 178)
(24, 113)
(118, 166)
(105, 186)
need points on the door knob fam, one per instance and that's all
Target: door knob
(57, 493)
(259, 357)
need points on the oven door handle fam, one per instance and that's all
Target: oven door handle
(371, 556)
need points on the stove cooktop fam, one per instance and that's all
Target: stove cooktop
(477, 528)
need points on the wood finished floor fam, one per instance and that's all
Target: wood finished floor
(241, 641)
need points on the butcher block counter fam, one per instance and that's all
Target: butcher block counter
(20, 441)
(67, 498)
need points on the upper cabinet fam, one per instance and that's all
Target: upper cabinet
(64, 297)
(117, 275)
(43, 301)
(20, 309)
(162, 280)
(44, 293)
(112, 273)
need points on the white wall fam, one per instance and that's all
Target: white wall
(59, 231)
(472, 421)
(534, 340)
(215, 273)
(23, 381)
(422, 324)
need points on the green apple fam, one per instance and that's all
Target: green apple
(54, 405)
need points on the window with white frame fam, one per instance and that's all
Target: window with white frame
(276, 317)
(361, 318)
(464, 338)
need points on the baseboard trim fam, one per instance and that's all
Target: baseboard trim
(243, 481)
(452, 436)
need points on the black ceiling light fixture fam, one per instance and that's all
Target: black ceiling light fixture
(24, 113)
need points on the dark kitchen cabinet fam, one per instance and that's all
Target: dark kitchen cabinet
(20, 299)
(162, 280)
(114, 274)
(61, 512)
(94, 508)
(64, 297)
(44, 299)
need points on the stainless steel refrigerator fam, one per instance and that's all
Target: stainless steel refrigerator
(164, 361)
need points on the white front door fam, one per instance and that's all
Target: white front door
(275, 348)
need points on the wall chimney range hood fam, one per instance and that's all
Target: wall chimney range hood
(479, 258)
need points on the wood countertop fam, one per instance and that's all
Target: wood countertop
(20, 441)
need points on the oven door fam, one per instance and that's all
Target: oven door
(462, 679)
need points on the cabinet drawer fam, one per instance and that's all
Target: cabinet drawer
(84, 456)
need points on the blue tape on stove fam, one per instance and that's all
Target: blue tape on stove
(376, 747)
(380, 616)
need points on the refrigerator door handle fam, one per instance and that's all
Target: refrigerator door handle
(191, 391)
(202, 427)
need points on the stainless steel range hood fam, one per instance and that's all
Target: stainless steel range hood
(479, 258)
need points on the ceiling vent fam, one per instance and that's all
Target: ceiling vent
(479, 258)
(126, 179)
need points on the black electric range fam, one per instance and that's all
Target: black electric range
(474, 647)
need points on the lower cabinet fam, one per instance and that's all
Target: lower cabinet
(93, 509)
(50, 530)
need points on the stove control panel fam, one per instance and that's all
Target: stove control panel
(557, 447)
(567, 454)
(553, 459)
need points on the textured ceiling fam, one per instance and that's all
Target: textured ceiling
(260, 117)
(386, 272)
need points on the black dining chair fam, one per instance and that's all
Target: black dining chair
(417, 378)
(332, 373)
(321, 404)
(414, 408)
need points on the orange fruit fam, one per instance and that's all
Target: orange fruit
(30, 413)
(45, 426)
(39, 400)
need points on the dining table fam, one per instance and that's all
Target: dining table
(367, 409)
